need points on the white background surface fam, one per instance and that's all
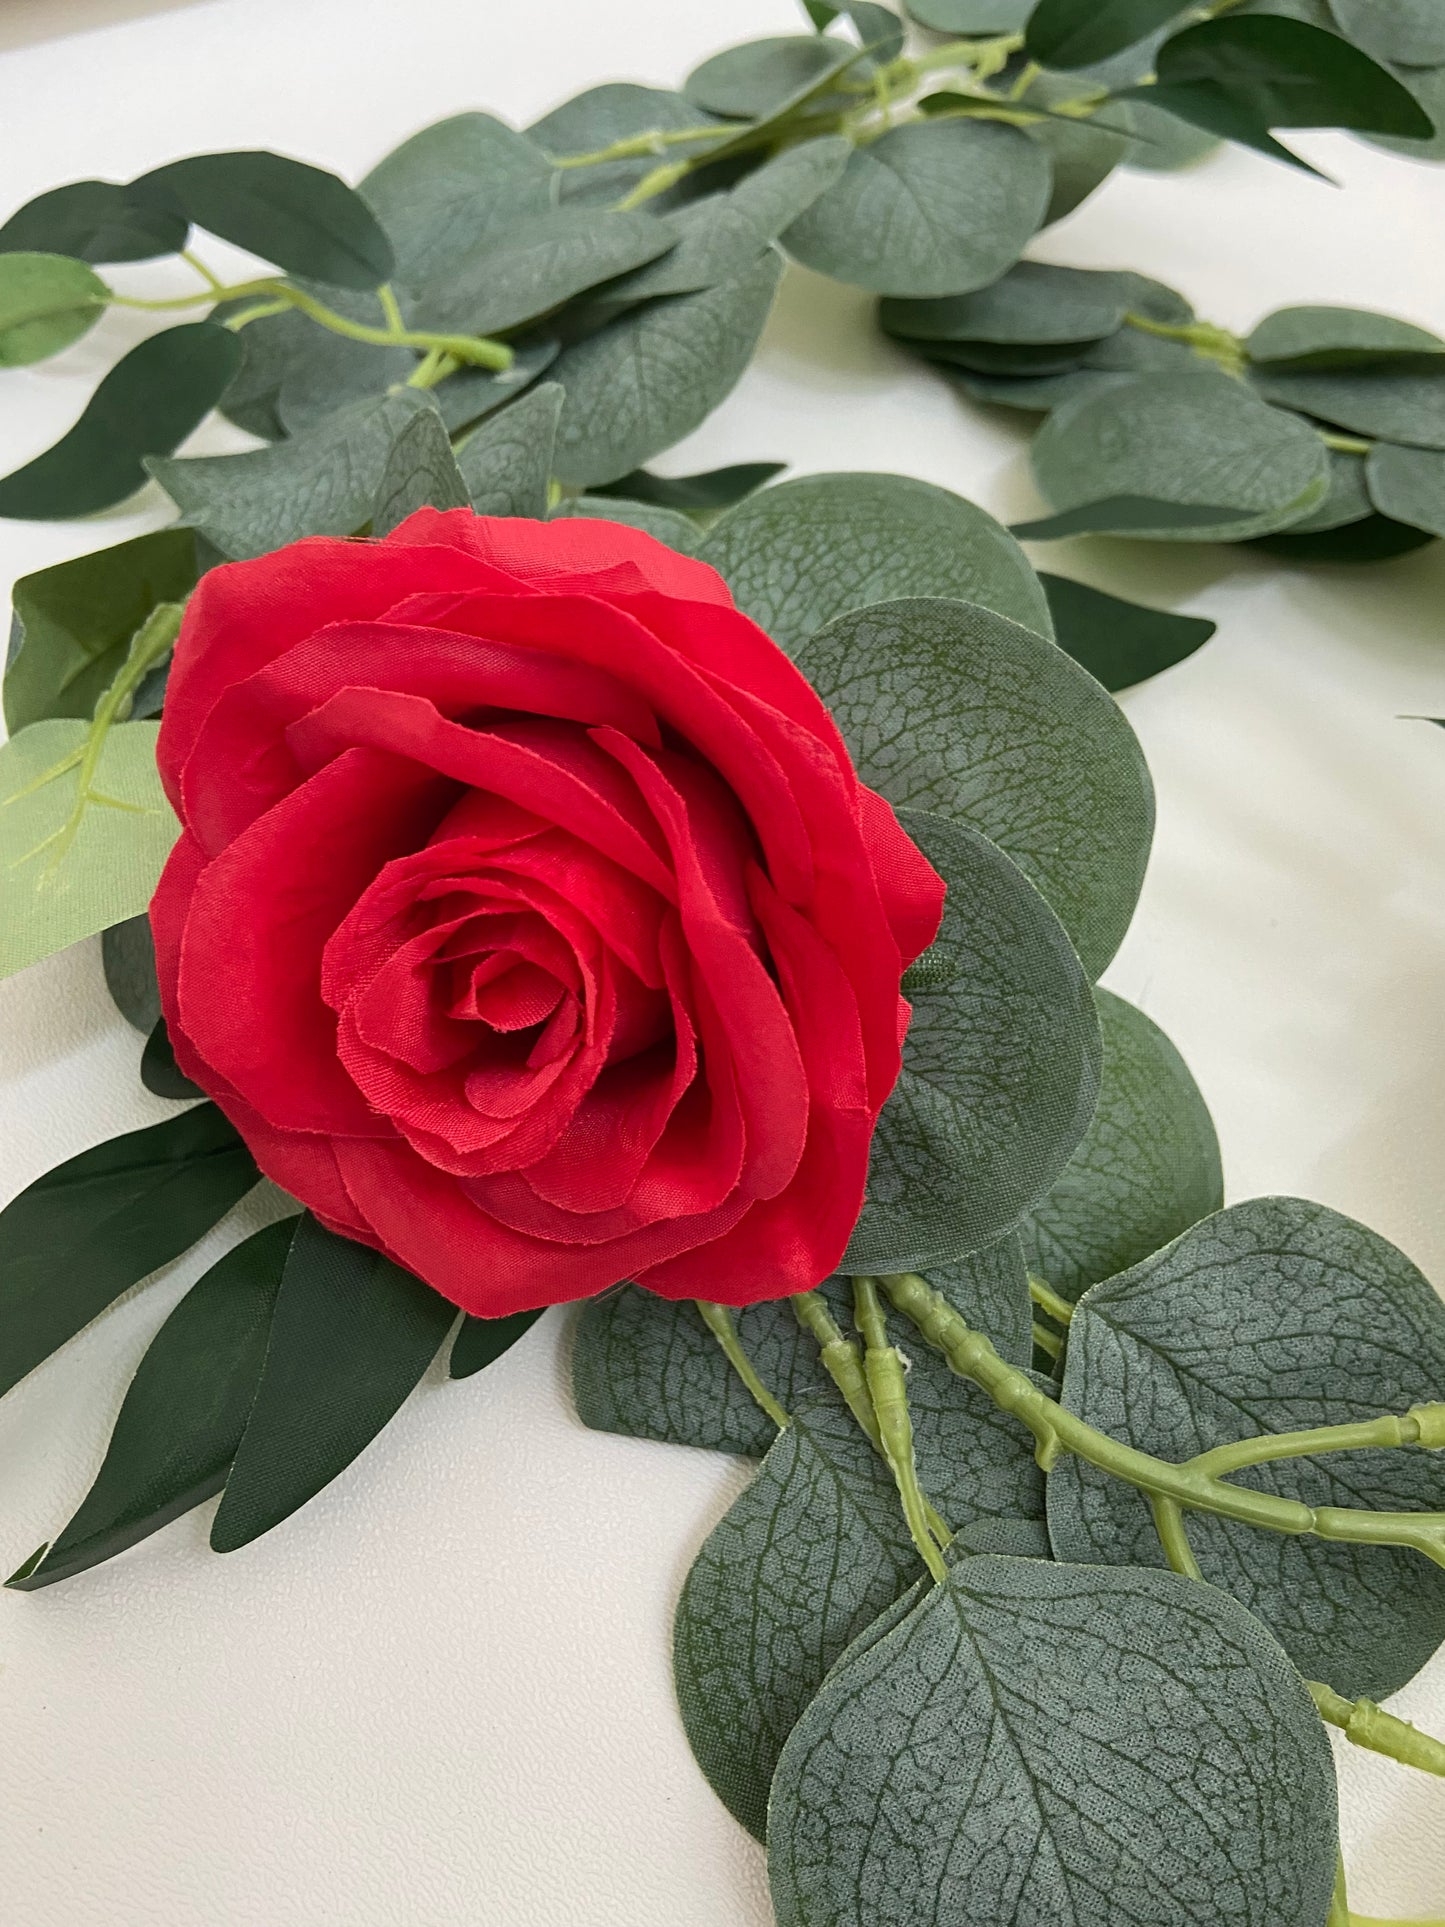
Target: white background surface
(439, 1696)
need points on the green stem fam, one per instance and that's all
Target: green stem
(888, 1387)
(1047, 1299)
(719, 1321)
(1339, 1914)
(638, 146)
(1212, 343)
(1169, 1524)
(433, 367)
(1345, 445)
(258, 312)
(1422, 1425)
(217, 291)
(1057, 1430)
(194, 261)
(1048, 1340)
(1367, 1725)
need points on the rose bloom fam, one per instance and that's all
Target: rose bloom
(528, 918)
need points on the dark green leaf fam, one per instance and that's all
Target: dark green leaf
(1082, 155)
(321, 482)
(97, 221)
(1410, 33)
(1128, 515)
(506, 463)
(183, 1415)
(951, 708)
(1161, 144)
(802, 552)
(74, 622)
(150, 401)
(1397, 403)
(351, 1335)
(649, 1368)
(1243, 74)
(651, 376)
(446, 194)
(1374, 539)
(1427, 84)
(1000, 1068)
(972, 17)
(934, 207)
(1271, 1316)
(47, 301)
(1034, 302)
(753, 81)
(129, 959)
(719, 488)
(1147, 1169)
(159, 1071)
(481, 1341)
(1076, 33)
(1193, 440)
(305, 220)
(1041, 1743)
(96, 1225)
(1408, 484)
(678, 531)
(1321, 337)
(810, 1555)
(1119, 642)
(618, 110)
(420, 472)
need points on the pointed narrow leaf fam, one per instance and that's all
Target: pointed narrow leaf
(719, 488)
(1375, 538)
(1076, 33)
(800, 553)
(1119, 642)
(97, 221)
(950, 708)
(351, 1335)
(74, 1240)
(159, 1071)
(148, 403)
(305, 220)
(129, 959)
(1128, 515)
(1045, 1743)
(1271, 1316)
(506, 464)
(1000, 1068)
(420, 472)
(808, 1558)
(481, 1341)
(183, 1415)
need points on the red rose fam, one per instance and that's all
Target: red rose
(528, 918)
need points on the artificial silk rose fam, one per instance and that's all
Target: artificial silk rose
(528, 918)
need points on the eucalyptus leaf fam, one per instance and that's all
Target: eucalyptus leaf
(802, 552)
(420, 472)
(320, 482)
(1410, 33)
(97, 221)
(505, 464)
(1118, 642)
(981, 17)
(128, 956)
(74, 622)
(47, 301)
(649, 1368)
(1077, 33)
(1373, 539)
(1041, 1743)
(148, 403)
(351, 1335)
(1161, 144)
(1000, 1068)
(1395, 403)
(469, 395)
(929, 208)
(650, 376)
(1147, 1167)
(753, 81)
(719, 488)
(671, 526)
(1408, 484)
(1130, 515)
(1190, 440)
(808, 1558)
(1272, 1316)
(952, 708)
(1035, 302)
(183, 1414)
(1427, 84)
(159, 1072)
(304, 219)
(1348, 499)
(602, 116)
(1321, 337)
(481, 1341)
(87, 1231)
(72, 864)
(1082, 155)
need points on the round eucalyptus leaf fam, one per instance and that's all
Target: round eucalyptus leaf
(971, 17)
(671, 526)
(1082, 155)
(1408, 33)
(954, 709)
(799, 553)
(1348, 499)
(1147, 1168)
(1000, 1067)
(1037, 1743)
(1184, 439)
(1408, 484)
(47, 301)
(97, 221)
(1034, 303)
(934, 207)
(617, 110)
(752, 81)
(1272, 1316)
(1401, 402)
(1321, 337)
(1024, 361)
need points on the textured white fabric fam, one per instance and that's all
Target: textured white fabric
(439, 1696)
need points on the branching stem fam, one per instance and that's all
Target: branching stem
(719, 1321)
(888, 1387)
(1047, 1299)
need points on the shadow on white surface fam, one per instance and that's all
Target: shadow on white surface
(26, 23)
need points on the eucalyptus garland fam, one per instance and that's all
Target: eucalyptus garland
(1085, 1502)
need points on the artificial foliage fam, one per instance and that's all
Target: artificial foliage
(1084, 1501)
